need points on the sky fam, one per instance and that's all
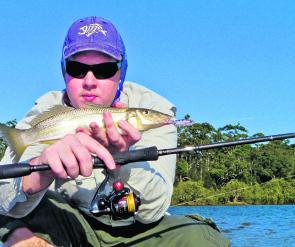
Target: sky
(221, 62)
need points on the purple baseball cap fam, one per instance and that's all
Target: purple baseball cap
(98, 34)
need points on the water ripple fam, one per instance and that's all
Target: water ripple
(257, 225)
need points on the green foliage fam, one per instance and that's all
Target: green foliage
(242, 174)
(3, 144)
(182, 168)
(234, 191)
(191, 192)
(275, 191)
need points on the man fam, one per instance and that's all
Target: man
(54, 206)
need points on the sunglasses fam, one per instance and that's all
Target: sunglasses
(100, 71)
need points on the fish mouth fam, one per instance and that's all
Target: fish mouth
(170, 120)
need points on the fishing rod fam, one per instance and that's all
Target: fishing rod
(144, 154)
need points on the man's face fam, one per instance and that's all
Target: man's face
(90, 89)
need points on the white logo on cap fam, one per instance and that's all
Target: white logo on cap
(91, 29)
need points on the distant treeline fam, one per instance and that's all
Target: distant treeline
(252, 174)
(3, 144)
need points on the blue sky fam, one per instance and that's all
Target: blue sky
(223, 62)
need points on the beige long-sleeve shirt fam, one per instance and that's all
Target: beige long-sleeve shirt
(152, 180)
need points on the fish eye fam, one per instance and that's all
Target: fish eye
(146, 112)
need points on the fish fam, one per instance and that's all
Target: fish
(61, 120)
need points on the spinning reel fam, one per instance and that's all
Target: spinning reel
(121, 203)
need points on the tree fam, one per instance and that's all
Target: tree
(182, 168)
(3, 144)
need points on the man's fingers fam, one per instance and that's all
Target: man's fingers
(119, 105)
(68, 157)
(96, 148)
(112, 132)
(132, 135)
(51, 157)
(82, 157)
(83, 130)
(99, 134)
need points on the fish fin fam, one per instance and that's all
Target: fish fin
(13, 137)
(51, 112)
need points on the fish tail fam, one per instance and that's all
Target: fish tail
(13, 137)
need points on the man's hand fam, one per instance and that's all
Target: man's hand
(68, 157)
(71, 155)
(110, 136)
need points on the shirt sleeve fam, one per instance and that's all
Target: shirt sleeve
(10, 192)
(13, 201)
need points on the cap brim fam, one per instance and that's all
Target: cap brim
(110, 51)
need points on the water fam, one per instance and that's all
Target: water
(255, 225)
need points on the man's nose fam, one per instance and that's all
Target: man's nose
(89, 80)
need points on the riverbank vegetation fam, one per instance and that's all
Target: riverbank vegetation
(3, 144)
(248, 174)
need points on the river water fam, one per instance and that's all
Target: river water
(255, 225)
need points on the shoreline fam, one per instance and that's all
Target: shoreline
(227, 204)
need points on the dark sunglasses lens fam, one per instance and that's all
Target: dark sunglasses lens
(76, 69)
(105, 70)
